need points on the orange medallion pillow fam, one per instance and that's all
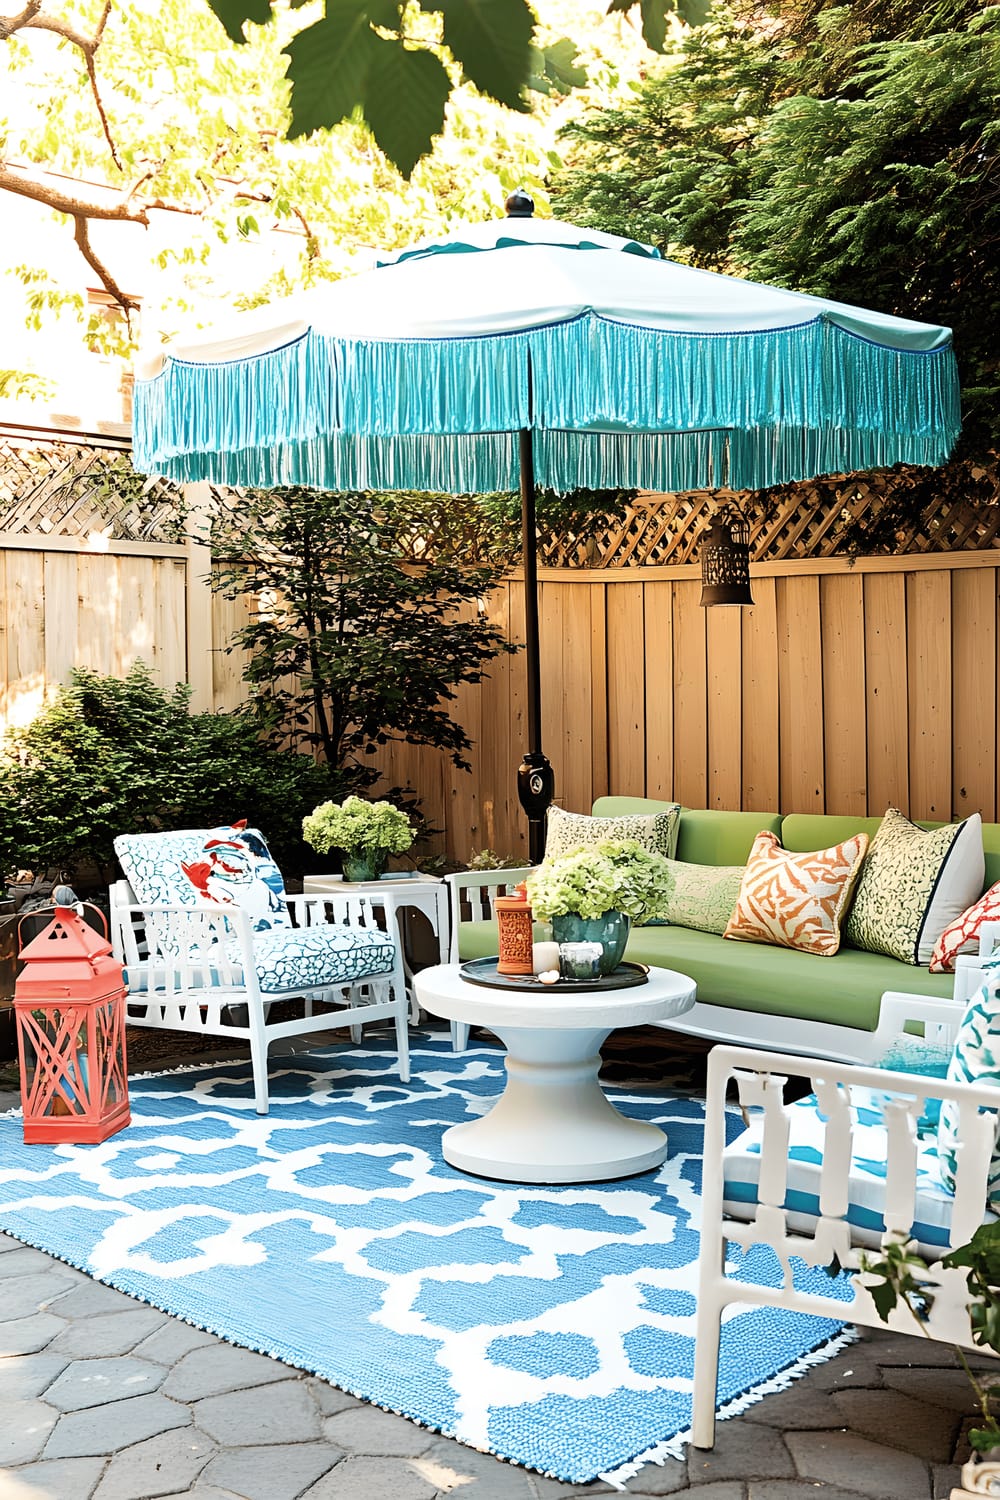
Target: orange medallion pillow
(796, 900)
(962, 935)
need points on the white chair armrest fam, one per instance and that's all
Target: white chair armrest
(940, 1018)
(989, 938)
(477, 888)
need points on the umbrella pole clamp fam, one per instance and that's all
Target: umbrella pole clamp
(535, 787)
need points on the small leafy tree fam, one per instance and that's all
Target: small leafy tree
(111, 755)
(350, 647)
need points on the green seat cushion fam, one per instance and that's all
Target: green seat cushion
(843, 990)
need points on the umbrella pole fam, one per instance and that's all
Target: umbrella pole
(535, 779)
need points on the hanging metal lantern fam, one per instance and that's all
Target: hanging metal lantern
(725, 561)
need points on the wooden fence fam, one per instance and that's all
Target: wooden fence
(847, 687)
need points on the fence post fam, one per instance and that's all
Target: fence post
(198, 504)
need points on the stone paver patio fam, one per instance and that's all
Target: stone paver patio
(104, 1397)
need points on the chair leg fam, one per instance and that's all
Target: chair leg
(708, 1333)
(258, 1060)
(459, 1036)
(403, 1037)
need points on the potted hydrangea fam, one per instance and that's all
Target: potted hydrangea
(366, 833)
(594, 893)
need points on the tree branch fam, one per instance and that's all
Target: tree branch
(10, 24)
(88, 46)
(81, 233)
(12, 181)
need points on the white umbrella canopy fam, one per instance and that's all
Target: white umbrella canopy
(525, 351)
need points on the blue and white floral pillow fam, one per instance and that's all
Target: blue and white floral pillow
(231, 866)
(975, 1059)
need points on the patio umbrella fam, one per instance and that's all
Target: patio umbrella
(524, 352)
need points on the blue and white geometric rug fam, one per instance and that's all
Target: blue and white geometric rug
(553, 1326)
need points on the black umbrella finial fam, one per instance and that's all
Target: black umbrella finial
(518, 205)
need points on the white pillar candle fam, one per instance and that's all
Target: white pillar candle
(544, 956)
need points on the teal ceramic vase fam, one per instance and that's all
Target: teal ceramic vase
(610, 929)
(364, 864)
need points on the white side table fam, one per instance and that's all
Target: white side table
(553, 1122)
(424, 893)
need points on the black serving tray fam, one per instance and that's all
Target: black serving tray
(484, 971)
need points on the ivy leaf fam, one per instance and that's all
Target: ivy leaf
(654, 17)
(694, 12)
(492, 41)
(329, 66)
(406, 97)
(232, 14)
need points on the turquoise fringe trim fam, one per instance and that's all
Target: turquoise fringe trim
(612, 406)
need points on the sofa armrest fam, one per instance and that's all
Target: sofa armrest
(470, 893)
(940, 1019)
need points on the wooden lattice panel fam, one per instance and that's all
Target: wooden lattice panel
(63, 487)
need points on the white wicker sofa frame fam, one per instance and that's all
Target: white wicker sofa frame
(192, 968)
(760, 1078)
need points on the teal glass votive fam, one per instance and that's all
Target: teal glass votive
(580, 960)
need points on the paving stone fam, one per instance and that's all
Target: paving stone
(794, 1489)
(856, 1370)
(380, 1434)
(21, 1260)
(925, 1430)
(858, 1466)
(29, 1375)
(281, 1413)
(119, 1424)
(170, 1343)
(93, 1297)
(65, 1478)
(725, 1489)
(108, 1334)
(24, 1295)
(29, 1335)
(658, 1479)
(328, 1398)
(799, 1408)
(8, 1242)
(24, 1429)
(281, 1472)
(164, 1465)
(945, 1478)
(455, 1469)
(901, 1348)
(219, 1367)
(741, 1451)
(948, 1388)
(365, 1478)
(93, 1382)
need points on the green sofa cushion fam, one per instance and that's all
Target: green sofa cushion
(843, 990)
(708, 837)
(804, 832)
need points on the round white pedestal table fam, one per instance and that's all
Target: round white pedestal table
(553, 1123)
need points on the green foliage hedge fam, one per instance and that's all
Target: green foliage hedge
(111, 755)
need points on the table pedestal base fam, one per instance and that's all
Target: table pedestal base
(552, 1123)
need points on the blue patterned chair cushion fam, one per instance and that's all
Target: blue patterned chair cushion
(933, 1203)
(231, 866)
(975, 1059)
(294, 958)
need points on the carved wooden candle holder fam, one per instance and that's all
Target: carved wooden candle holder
(514, 933)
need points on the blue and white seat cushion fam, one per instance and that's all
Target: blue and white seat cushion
(293, 958)
(230, 866)
(975, 1059)
(933, 1201)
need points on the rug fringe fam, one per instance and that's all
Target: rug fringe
(781, 1381)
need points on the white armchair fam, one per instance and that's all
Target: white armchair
(830, 1176)
(471, 894)
(202, 962)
